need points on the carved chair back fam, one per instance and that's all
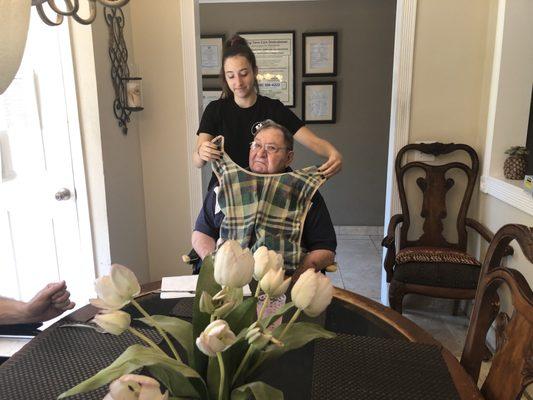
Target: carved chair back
(434, 187)
(512, 366)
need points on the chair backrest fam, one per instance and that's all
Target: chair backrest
(434, 187)
(512, 365)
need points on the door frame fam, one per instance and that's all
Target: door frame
(404, 43)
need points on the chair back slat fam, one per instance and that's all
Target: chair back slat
(434, 186)
(512, 366)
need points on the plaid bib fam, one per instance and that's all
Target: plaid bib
(265, 210)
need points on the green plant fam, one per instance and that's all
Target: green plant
(517, 151)
(228, 342)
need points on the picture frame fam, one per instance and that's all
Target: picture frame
(208, 95)
(319, 54)
(319, 102)
(211, 54)
(274, 52)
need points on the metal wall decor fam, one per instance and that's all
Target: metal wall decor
(71, 9)
(128, 90)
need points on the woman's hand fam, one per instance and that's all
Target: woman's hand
(209, 151)
(332, 166)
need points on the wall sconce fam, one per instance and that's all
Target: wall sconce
(128, 89)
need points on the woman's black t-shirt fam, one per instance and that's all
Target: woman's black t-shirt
(237, 125)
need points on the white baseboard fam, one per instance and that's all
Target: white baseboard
(359, 230)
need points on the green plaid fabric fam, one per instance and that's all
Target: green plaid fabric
(265, 210)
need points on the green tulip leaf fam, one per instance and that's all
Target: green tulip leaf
(243, 315)
(268, 320)
(133, 358)
(260, 391)
(178, 384)
(298, 335)
(179, 329)
(206, 283)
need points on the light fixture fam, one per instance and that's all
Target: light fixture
(71, 8)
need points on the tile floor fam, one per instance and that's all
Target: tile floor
(359, 258)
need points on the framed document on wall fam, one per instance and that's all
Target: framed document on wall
(208, 95)
(211, 53)
(274, 52)
(319, 54)
(319, 102)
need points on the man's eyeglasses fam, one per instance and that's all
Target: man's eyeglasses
(269, 148)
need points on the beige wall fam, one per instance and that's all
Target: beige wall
(122, 163)
(157, 47)
(451, 83)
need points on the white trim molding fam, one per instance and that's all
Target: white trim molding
(190, 31)
(508, 192)
(404, 46)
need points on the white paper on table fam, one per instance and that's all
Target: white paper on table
(175, 287)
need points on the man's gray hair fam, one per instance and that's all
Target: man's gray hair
(287, 136)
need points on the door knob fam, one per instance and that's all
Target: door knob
(62, 194)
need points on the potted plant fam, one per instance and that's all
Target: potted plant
(227, 342)
(515, 165)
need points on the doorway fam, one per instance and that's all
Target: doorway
(43, 223)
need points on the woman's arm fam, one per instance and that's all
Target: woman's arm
(205, 150)
(323, 148)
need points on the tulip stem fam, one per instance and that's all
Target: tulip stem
(142, 336)
(242, 364)
(294, 318)
(222, 377)
(156, 325)
(257, 290)
(265, 304)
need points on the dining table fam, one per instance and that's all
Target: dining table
(377, 354)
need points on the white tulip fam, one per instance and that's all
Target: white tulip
(234, 265)
(117, 289)
(215, 338)
(273, 283)
(312, 292)
(114, 322)
(322, 298)
(135, 387)
(266, 260)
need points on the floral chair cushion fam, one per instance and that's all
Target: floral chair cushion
(434, 255)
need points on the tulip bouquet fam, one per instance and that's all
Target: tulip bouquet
(229, 342)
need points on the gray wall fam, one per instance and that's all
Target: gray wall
(364, 79)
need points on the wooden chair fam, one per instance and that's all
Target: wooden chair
(431, 265)
(512, 366)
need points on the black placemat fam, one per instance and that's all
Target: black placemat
(60, 358)
(370, 368)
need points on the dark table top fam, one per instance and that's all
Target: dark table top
(378, 354)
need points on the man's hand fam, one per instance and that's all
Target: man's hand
(316, 259)
(49, 303)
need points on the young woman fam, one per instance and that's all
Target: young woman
(237, 113)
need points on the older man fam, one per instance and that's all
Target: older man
(272, 152)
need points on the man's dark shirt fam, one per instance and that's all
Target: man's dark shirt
(318, 232)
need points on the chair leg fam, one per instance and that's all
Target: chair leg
(396, 293)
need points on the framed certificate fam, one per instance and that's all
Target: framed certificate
(274, 53)
(208, 95)
(319, 104)
(211, 53)
(319, 54)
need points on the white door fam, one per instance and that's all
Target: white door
(40, 239)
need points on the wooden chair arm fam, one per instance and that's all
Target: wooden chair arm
(389, 242)
(486, 233)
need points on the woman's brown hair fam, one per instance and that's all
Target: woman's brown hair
(236, 46)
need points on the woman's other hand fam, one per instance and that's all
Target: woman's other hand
(209, 151)
(333, 165)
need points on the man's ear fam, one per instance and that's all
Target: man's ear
(290, 157)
